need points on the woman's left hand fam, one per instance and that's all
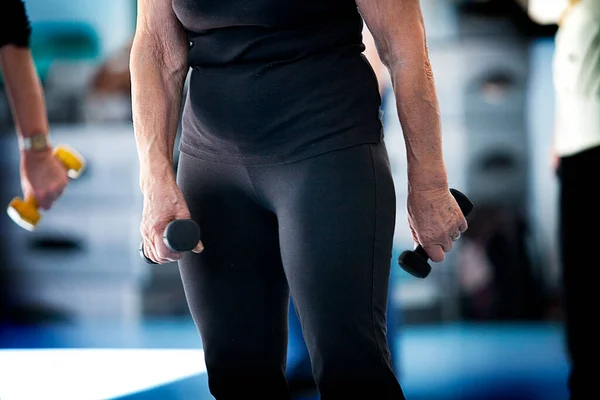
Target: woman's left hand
(435, 220)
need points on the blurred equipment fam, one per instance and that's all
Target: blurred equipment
(108, 97)
(415, 262)
(65, 54)
(55, 42)
(62, 41)
(25, 212)
(496, 276)
(180, 236)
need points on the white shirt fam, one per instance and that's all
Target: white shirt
(577, 79)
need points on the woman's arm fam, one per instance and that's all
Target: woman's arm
(24, 91)
(43, 176)
(398, 30)
(22, 83)
(399, 33)
(158, 64)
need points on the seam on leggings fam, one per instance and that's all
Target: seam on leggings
(246, 169)
(373, 255)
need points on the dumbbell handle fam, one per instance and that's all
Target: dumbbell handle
(180, 235)
(31, 202)
(415, 262)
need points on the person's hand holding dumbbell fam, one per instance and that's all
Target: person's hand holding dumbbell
(44, 169)
(43, 177)
(163, 204)
(435, 220)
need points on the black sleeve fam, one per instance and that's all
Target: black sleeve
(14, 23)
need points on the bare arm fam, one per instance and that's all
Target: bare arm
(24, 90)
(158, 64)
(25, 93)
(399, 33)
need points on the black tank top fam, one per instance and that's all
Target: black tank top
(276, 81)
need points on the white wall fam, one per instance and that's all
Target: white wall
(543, 194)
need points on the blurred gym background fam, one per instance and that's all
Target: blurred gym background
(83, 318)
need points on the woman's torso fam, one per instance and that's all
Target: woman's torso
(275, 81)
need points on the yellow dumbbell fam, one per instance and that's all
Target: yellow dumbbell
(25, 213)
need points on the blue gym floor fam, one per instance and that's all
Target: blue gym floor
(164, 361)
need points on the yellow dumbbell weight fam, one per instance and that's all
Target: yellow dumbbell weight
(25, 213)
(71, 159)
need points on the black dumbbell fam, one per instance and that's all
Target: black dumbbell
(180, 235)
(415, 262)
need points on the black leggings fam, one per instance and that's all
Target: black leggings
(579, 224)
(320, 229)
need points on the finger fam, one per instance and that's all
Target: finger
(157, 257)
(152, 252)
(147, 245)
(199, 247)
(163, 253)
(414, 235)
(44, 200)
(463, 225)
(58, 191)
(447, 245)
(455, 235)
(51, 199)
(435, 252)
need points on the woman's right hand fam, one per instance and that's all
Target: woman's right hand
(163, 203)
(43, 177)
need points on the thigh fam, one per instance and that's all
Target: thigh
(336, 224)
(236, 289)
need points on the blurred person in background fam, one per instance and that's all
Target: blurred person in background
(284, 167)
(576, 159)
(42, 175)
(109, 93)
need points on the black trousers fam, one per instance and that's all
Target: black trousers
(321, 230)
(579, 221)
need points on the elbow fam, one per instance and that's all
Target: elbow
(407, 59)
(396, 59)
(405, 50)
(149, 51)
(390, 58)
